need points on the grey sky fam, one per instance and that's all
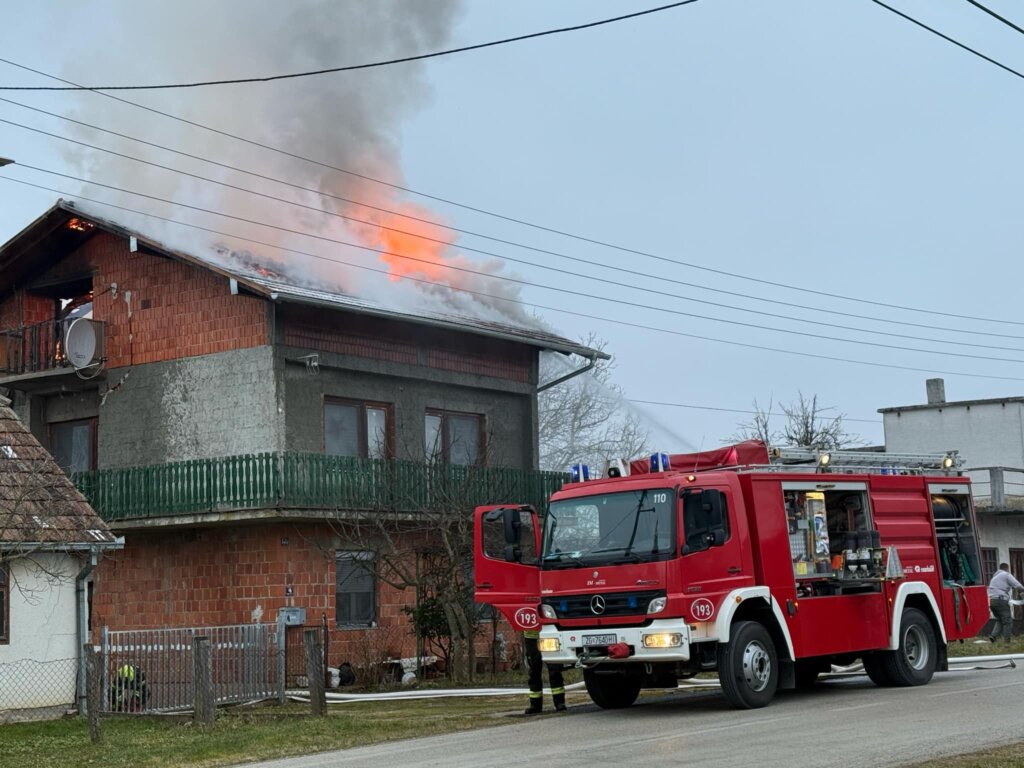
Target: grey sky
(827, 145)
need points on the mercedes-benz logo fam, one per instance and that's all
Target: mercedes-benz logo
(597, 604)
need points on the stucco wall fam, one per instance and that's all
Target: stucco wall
(38, 666)
(194, 408)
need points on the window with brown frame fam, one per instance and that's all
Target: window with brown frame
(355, 428)
(73, 444)
(454, 438)
(5, 608)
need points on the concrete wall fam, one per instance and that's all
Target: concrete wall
(193, 408)
(38, 667)
(985, 434)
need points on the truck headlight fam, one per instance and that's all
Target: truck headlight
(549, 645)
(663, 640)
(657, 605)
(547, 611)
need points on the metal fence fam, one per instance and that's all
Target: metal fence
(151, 670)
(32, 690)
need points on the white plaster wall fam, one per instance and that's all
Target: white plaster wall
(38, 666)
(985, 435)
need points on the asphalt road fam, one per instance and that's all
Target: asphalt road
(840, 724)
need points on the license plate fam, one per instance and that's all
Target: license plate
(599, 640)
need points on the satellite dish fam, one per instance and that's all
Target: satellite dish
(83, 343)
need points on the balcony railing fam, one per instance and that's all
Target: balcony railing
(998, 489)
(298, 481)
(31, 349)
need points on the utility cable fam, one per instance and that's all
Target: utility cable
(738, 410)
(949, 39)
(518, 281)
(995, 15)
(580, 238)
(353, 67)
(660, 278)
(517, 302)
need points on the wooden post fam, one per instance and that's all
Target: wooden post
(93, 700)
(314, 654)
(202, 676)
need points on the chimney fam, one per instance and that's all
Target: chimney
(936, 389)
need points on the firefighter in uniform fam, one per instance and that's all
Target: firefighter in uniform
(534, 665)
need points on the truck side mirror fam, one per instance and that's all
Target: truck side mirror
(513, 527)
(711, 500)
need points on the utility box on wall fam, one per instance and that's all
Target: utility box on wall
(292, 617)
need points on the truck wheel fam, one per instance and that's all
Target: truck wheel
(748, 667)
(612, 690)
(913, 663)
(874, 666)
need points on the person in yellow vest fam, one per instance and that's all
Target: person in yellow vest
(534, 666)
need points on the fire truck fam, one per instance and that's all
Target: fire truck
(766, 565)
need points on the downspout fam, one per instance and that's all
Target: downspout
(571, 375)
(82, 615)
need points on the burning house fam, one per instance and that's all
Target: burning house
(239, 426)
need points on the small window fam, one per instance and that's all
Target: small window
(989, 562)
(355, 589)
(357, 429)
(454, 438)
(5, 598)
(73, 445)
(698, 528)
(492, 531)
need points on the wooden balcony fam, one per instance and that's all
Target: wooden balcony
(294, 484)
(31, 349)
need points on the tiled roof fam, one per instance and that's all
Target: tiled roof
(38, 503)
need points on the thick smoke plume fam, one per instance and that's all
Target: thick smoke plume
(347, 120)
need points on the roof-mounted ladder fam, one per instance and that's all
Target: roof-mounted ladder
(867, 461)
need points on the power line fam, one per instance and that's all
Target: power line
(354, 67)
(737, 410)
(949, 39)
(995, 15)
(617, 283)
(518, 281)
(523, 222)
(517, 302)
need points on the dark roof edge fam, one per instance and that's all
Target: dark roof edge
(953, 404)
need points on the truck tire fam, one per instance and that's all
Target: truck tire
(612, 690)
(748, 666)
(874, 666)
(914, 662)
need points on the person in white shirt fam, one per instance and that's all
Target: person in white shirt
(999, 593)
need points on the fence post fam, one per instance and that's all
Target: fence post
(282, 657)
(105, 658)
(93, 680)
(202, 675)
(315, 671)
(997, 488)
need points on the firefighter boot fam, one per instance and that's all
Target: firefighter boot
(536, 704)
(559, 699)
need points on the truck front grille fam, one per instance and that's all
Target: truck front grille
(614, 604)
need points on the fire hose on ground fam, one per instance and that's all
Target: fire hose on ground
(956, 664)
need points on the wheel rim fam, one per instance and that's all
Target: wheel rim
(757, 666)
(915, 648)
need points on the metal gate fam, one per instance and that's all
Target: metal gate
(151, 670)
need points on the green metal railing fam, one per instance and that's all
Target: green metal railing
(306, 480)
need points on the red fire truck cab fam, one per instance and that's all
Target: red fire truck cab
(767, 566)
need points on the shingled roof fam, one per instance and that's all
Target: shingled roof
(40, 508)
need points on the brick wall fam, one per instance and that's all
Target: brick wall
(239, 575)
(25, 309)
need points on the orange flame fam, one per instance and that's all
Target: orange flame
(409, 247)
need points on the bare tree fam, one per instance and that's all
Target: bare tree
(586, 419)
(806, 424)
(757, 427)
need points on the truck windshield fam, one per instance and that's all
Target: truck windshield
(626, 527)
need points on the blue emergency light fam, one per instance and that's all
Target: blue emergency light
(580, 473)
(660, 462)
